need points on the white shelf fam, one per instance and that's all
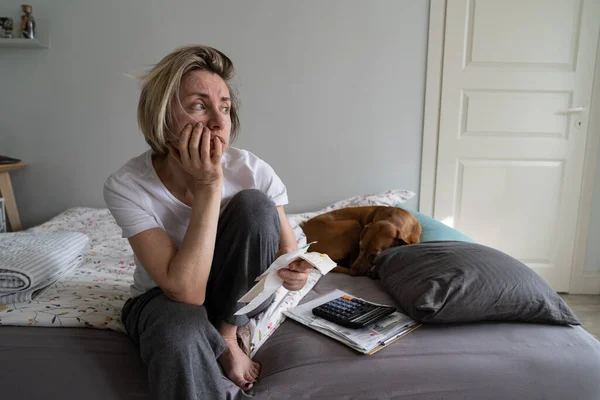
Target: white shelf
(23, 43)
(41, 41)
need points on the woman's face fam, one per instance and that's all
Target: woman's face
(204, 98)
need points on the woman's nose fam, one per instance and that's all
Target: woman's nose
(216, 121)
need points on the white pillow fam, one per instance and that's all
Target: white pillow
(390, 198)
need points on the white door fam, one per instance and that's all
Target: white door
(516, 89)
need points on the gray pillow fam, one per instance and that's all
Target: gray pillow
(451, 281)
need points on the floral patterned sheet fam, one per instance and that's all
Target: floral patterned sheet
(92, 296)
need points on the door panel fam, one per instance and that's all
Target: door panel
(534, 33)
(492, 193)
(516, 87)
(522, 113)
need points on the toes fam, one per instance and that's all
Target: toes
(249, 376)
(248, 383)
(244, 383)
(253, 375)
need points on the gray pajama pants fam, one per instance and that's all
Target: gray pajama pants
(179, 342)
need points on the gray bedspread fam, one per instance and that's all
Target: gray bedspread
(68, 364)
(469, 361)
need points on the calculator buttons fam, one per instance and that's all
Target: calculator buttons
(350, 312)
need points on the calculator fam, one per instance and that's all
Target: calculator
(352, 312)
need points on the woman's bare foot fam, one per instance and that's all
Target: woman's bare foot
(238, 367)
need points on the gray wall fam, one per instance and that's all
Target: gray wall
(338, 83)
(332, 92)
(592, 257)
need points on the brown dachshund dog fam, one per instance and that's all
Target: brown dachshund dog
(354, 236)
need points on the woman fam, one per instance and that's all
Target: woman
(203, 220)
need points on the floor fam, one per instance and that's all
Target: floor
(587, 309)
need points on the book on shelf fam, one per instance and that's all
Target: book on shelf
(8, 160)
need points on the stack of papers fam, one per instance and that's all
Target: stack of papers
(366, 340)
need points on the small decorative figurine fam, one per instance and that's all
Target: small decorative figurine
(27, 23)
(2, 21)
(7, 27)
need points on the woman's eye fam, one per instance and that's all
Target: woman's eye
(225, 110)
(198, 106)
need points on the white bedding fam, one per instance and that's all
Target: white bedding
(93, 295)
(95, 292)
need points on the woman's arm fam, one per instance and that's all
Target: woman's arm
(295, 276)
(183, 273)
(288, 239)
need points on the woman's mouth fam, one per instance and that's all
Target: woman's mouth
(212, 143)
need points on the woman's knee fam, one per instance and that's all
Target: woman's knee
(180, 327)
(255, 211)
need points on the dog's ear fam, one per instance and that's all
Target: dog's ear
(362, 233)
(411, 237)
(399, 242)
(400, 239)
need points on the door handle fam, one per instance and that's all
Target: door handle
(572, 110)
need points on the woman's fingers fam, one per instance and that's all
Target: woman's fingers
(193, 152)
(293, 280)
(205, 145)
(300, 266)
(184, 139)
(202, 146)
(218, 149)
(194, 144)
(295, 275)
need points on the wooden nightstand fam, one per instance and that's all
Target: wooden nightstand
(6, 191)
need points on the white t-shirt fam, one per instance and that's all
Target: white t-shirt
(139, 201)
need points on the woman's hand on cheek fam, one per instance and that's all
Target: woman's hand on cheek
(194, 154)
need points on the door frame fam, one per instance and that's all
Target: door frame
(581, 282)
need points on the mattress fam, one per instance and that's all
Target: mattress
(467, 361)
(71, 344)
(451, 361)
(69, 363)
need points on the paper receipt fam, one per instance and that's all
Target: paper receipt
(269, 281)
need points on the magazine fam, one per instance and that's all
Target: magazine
(365, 340)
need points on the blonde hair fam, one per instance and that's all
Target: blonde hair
(160, 88)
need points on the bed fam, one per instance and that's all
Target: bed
(69, 343)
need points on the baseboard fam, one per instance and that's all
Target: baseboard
(585, 284)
